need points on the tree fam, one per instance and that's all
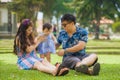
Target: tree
(55, 7)
(30, 8)
(88, 11)
(61, 7)
(26, 8)
(47, 9)
(116, 27)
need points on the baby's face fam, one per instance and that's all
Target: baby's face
(46, 31)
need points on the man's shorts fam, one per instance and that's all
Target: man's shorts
(71, 61)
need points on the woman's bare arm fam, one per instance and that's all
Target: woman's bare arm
(38, 40)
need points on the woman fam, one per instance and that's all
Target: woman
(24, 47)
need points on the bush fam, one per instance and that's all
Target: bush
(116, 27)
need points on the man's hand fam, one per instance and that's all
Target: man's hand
(61, 52)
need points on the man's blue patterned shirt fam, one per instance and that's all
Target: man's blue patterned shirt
(67, 42)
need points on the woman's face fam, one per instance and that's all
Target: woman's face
(29, 30)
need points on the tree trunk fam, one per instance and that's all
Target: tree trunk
(34, 18)
(57, 26)
(97, 29)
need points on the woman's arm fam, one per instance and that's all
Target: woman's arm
(38, 40)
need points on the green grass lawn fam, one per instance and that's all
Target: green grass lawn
(110, 70)
(104, 43)
(97, 46)
(110, 64)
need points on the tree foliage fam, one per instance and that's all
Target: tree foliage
(88, 10)
(26, 8)
(55, 7)
(116, 27)
(29, 8)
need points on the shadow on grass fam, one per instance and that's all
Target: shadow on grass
(107, 40)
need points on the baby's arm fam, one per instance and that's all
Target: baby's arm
(54, 39)
(57, 45)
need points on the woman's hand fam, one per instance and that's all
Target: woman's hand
(37, 41)
(41, 38)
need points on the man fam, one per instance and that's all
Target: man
(73, 40)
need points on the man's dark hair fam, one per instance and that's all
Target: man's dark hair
(47, 25)
(69, 18)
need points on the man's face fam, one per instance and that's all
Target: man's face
(67, 25)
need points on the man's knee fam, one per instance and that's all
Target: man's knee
(94, 56)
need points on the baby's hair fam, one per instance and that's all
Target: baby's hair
(47, 25)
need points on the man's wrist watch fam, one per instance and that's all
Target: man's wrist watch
(65, 51)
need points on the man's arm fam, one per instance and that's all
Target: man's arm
(57, 45)
(73, 49)
(77, 47)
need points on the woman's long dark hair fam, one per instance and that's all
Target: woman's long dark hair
(21, 35)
